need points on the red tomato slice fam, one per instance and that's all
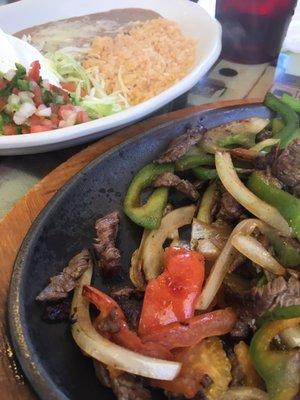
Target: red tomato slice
(3, 102)
(38, 99)
(123, 336)
(81, 117)
(192, 330)
(69, 86)
(55, 120)
(66, 110)
(9, 129)
(25, 129)
(171, 296)
(3, 84)
(39, 128)
(34, 71)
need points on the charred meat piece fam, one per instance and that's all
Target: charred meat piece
(57, 312)
(131, 301)
(109, 324)
(179, 146)
(230, 209)
(287, 165)
(255, 302)
(182, 185)
(125, 386)
(60, 285)
(108, 256)
(129, 387)
(267, 160)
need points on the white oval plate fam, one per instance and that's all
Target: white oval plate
(194, 21)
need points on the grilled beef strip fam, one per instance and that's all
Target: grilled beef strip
(131, 302)
(168, 179)
(254, 303)
(230, 210)
(129, 387)
(109, 324)
(60, 285)
(262, 162)
(179, 146)
(125, 386)
(287, 166)
(108, 256)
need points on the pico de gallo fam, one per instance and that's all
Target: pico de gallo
(31, 104)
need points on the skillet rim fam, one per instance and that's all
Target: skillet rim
(37, 376)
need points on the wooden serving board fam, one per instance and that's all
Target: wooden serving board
(14, 226)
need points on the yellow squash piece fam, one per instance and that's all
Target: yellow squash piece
(205, 358)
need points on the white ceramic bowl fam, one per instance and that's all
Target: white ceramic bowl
(193, 20)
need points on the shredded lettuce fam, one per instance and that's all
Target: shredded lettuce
(96, 102)
(97, 108)
(68, 69)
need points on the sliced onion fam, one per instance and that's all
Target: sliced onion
(291, 337)
(245, 197)
(136, 269)
(244, 393)
(264, 143)
(255, 251)
(207, 202)
(224, 261)
(109, 353)
(209, 250)
(152, 252)
(209, 239)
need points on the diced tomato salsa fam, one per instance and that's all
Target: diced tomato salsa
(29, 104)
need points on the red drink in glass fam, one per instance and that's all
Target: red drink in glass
(253, 30)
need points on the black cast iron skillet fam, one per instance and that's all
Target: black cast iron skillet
(50, 359)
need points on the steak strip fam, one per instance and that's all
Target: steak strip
(60, 285)
(287, 166)
(182, 185)
(131, 302)
(254, 303)
(179, 146)
(124, 385)
(108, 256)
(230, 209)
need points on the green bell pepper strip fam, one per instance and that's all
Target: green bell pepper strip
(286, 204)
(287, 253)
(205, 174)
(279, 313)
(150, 214)
(277, 125)
(291, 101)
(291, 120)
(279, 369)
(189, 161)
(238, 140)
